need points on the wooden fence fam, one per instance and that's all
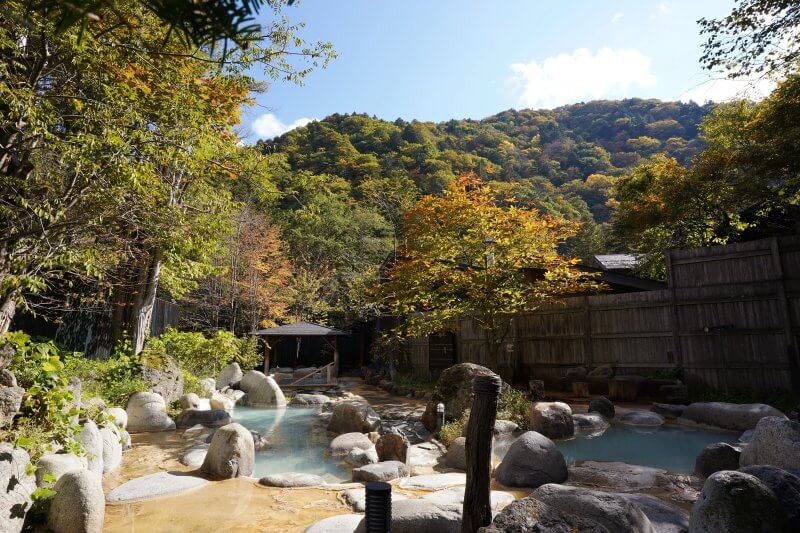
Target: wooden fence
(730, 318)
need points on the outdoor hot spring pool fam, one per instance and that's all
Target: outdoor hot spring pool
(293, 446)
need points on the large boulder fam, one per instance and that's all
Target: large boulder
(154, 486)
(612, 511)
(594, 423)
(309, 399)
(392, 447)
(56, 465)
(776, 442)
(504, 427)
(385, 471)
(92, 443)
(665, 518)
(417, 515)
(112, 447)
(207, 387)
(10, 397)
(163, 376)
(641, 418)
(189, 401)
(16, 486)
(231, 454)
(147, 411)
(735, 502)
(345, 443)
(454, 389)
(530, 514)
(738, 417)
(221, 401)
(358, 457)
(118, 416)
(552, 419)
(349, 417)
(602, 405)
(230, 376)
(79, 505)
(532, 461)
(716, 457)
(456, 456)
(261, 389)
(785, 485)
(210, 418)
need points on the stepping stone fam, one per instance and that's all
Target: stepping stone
(153, 486)
(357, 499)
(292, 479)
(453, 499)
(343, 523)
(433, 481)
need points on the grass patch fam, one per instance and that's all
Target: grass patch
(409, 382)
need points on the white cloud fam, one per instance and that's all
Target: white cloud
(579, 76)
(268, 126)
(664, 8)
(617, 17)
(722, 89)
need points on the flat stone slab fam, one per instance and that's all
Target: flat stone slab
(433, 481)
(154, 486)
(194, 456)
(343, 523)
(292, 479)
(357, 498)
(453, 499)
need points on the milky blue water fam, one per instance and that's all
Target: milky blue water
(293, 446)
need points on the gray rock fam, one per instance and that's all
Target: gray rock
(433, 481)
(118, 416)
(424, 457)
(148, 412)
(211, 418)
(231, 454)
(665, 518)
(776, 442)
(452, 499)
(292, 479)
(10, 402)
(16, 486)
(221, 401)
(189, 401)
(195, 456)
(230, 376)
(112, 447)
(612, 511)
(261, 389)
(603, 406)
(309, 399)
(207, 387)
(785, 485)
(342, 523)
(260, 442)
(92, 443)
(591, 423)
(7, 378)
(716, 457)
(164, 377)
(454, 389)
(358, 457)
(154, 485)
(738, 417)
(641, 418)
(357, 498)
(235, 395)
(76, 388)
(735, 502)
(530, 515)
(7, 352)
(746, 436)
(504, 427)
(350, 417)
(417, 515)
(343, 444)
(532, 461)
(127, 442)
(616, 476)
(669, 410)
(57, 464)
(198, 431)
(79, 504)
(385, 471)
(456, 456)
(552, 419)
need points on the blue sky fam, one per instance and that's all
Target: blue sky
(441, 59)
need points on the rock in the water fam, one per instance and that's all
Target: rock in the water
(456, 456)
(164, 377)
(207, 387)
(612, 511)
(292, 479)
(211, 418)
(118, 416)
(735, 502)
(154, 485)
(342, 523)
(10, 400)
(148, 412)
(716, 457)
(641, 418)
(92, 443)
(392, 447)
(602, 405)
(221, 401)
(504, 427)
(357, 498)
(552, 419)
(433, 481)
(738, 417)
(358, 457)
(385, 471)
(532, 461)
(189, 401)
(230, 376)
(746, 436)
(195, 456)
(591, 423)
(529, 514)
(79, 504)
(231, 454)
(776, 442)
(669, 410)
(621, 477)
(112, 447)
(343, 444)
(16, 486)
(785, 485)
(350, 417)
(57, 464)
(261, 389)
(310, 399)
(417, 515)
(665, 518)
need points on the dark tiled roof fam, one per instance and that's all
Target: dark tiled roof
(617, 261)
(301, 329)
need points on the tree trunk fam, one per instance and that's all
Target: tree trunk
(8, 308)
(144, 300)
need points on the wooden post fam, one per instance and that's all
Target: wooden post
(266, 356)
(477, 510)
(335, 359)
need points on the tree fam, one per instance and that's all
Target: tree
(466, 257)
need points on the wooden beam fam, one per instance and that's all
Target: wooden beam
(266, 356)
(335, 360)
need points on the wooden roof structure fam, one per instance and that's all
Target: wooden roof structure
(300, 329)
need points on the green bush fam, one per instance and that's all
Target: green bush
(514, 405)
(450, 431)
(113, 379)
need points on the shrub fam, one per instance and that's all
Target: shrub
(450, 431)
(113, 379)
(514, 405)
(202, 356)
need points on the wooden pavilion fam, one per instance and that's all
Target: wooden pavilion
(298, 331)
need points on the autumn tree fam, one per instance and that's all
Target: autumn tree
(464, 256)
